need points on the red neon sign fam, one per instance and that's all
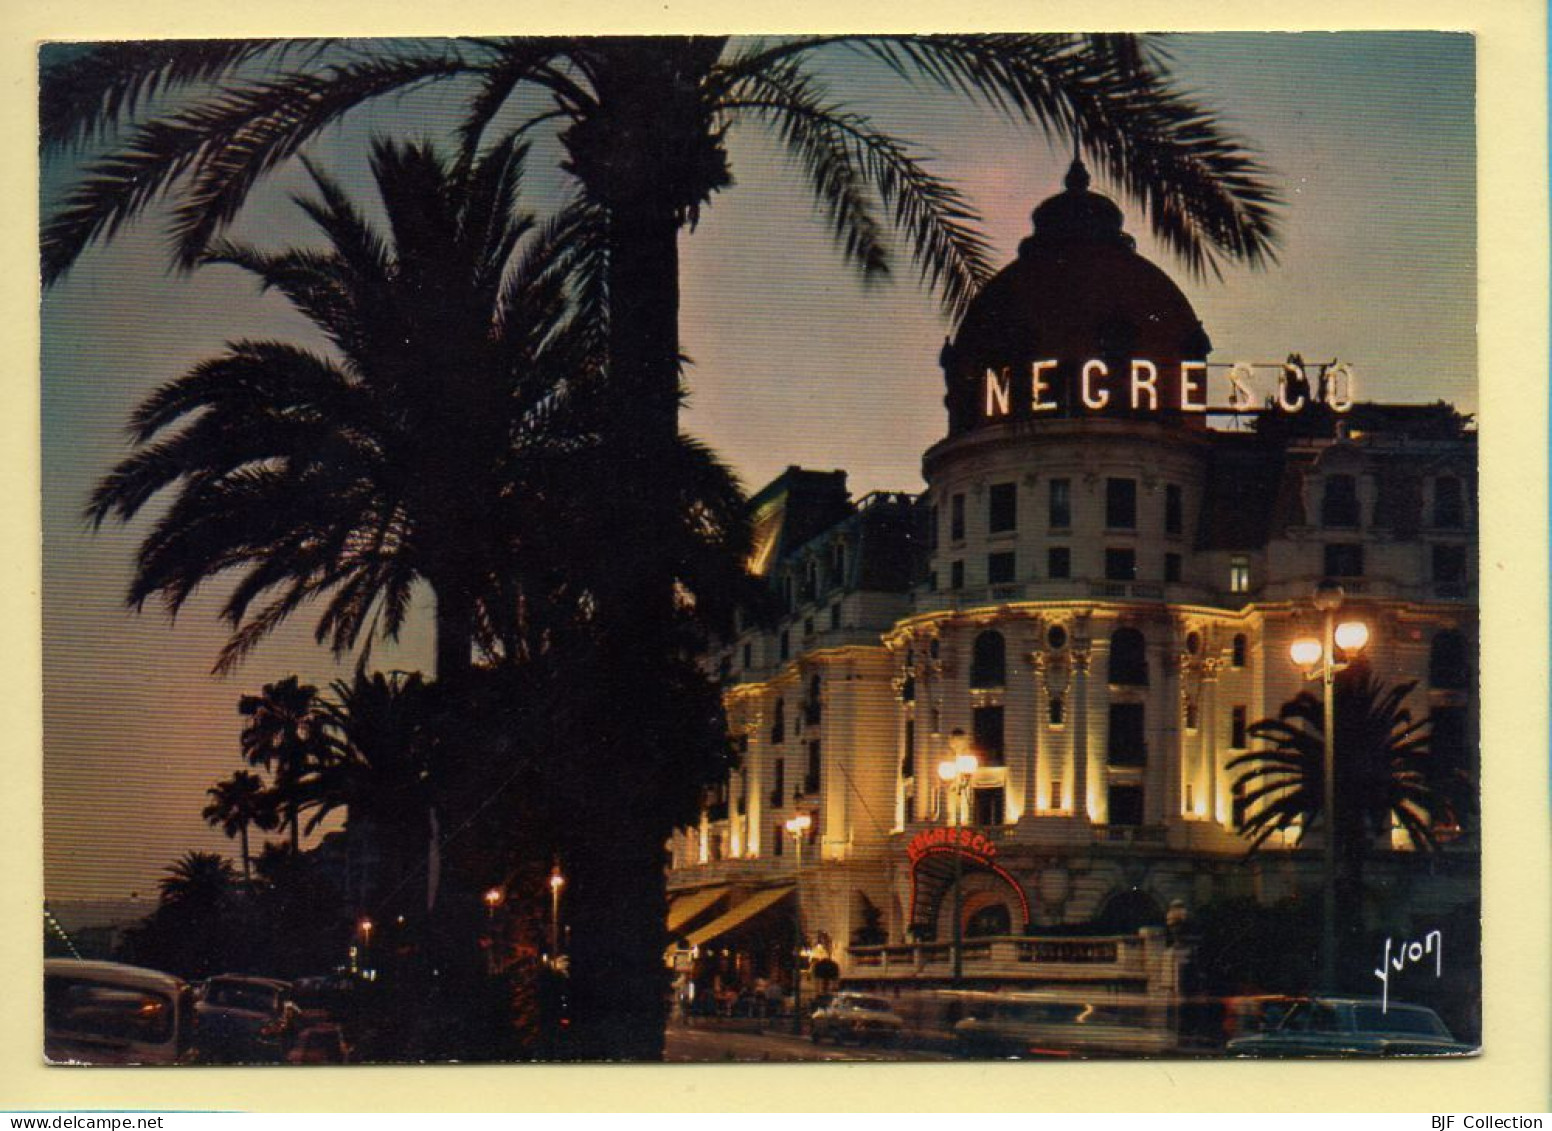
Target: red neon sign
(965, 840)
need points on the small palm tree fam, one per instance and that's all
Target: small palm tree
(283, 736)
(198, 882)
(237, 804)
(1386, 775)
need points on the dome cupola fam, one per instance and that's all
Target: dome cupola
(1078, 298)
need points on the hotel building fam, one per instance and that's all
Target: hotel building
(1095, 595)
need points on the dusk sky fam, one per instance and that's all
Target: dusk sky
(1371, 141)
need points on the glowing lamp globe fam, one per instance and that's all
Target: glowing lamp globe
(948, 769)
(1352, 635)
(1307, 652)
(966, 764)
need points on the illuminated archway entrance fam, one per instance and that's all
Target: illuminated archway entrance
(932, 854)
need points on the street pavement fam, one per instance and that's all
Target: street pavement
(715, 1040)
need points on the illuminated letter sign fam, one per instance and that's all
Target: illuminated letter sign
(997, 393)
(1150, 382)
(1293, 392)
(1038, 386)
(1239, 393)
(1192, 376)
(963, 840)
(1091, 369)
(1343, 401)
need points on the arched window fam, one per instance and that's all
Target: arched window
(989, 661)
(1339, 504)
(1239, 650)
(994, 919)
(1448, 669)
(1128, 658)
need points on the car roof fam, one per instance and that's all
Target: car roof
(94, 970)
(252, 980)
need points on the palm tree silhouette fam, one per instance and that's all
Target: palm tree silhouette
(1387, 777)
(416, 454)
(283, 736)
(198, 884)
(238, 803)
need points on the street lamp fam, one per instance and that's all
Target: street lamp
(957, 772)
(798, 828)
(492, 901)
(557, 881)
(1317, 659)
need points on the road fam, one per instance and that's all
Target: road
(709, 1040)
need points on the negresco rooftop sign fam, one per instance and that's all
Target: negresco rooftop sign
(1137, 387)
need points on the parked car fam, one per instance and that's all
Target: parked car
(856, 1017)
(319, 1044)
(109, 1013)
(245, 1019)
(1331, 1026)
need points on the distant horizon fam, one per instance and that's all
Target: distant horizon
(794, 363)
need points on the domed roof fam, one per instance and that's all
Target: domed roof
(1078, 291)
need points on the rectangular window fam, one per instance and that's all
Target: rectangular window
(1002, 508)
(1056, 711)
(835, 615)
(1239, 574)
(986, 722)
(1120, 565)
(1061, 504)
(1174, 518)
(956, 575)
(778, 783)
(1238, 737)
(1449, 505)
(811, 778)
(1121, 504)
(932, 527)
(1058, 562)
(999, 569)
(908, 762)
(932, 581)
(778, 840)
(748, 655)
(1339, 503)
(785, 649)
(988, 806)
(1127, 744)
(1056, 795)
(1171, 567)
(1126, 805)
(956, 532)
(1449, 563)
(1344, 559)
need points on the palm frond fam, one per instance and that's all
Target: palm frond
(86, 89)
(1206, 197)
(223, 143)
(843, 153)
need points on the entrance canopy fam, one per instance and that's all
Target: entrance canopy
(687, 906)
(738, 915)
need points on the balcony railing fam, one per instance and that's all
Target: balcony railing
(1121, 957)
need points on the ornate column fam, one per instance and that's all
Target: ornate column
(1084, 796)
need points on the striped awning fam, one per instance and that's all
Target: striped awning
(739, 914)
(687, 906)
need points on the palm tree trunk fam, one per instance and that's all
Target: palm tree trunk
(247, 868)
(454, 632)
(618, 916)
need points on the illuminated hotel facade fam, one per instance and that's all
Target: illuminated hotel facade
(1095, 596)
